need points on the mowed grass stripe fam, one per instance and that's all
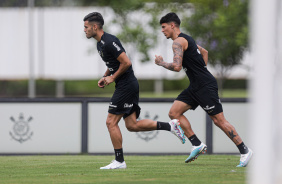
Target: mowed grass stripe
(141, 169)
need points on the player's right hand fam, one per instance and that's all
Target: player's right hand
(159, 60)
(101, 83)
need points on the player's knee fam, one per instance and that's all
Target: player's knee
(216, 122)
(109, 123)
(219, 120)
(131, 128)
(173, 115)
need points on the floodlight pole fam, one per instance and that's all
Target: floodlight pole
(31, 82)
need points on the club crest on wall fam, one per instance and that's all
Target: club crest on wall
(21, 129)
(148, 135)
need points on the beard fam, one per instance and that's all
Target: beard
(91, 35)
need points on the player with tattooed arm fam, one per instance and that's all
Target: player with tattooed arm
(202, 90)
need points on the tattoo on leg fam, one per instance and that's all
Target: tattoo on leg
(231, 134)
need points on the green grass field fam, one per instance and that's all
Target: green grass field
(141, 169)
(227, 93)
(235, 93)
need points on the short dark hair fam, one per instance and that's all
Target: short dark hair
(95, 17)
(170, 17)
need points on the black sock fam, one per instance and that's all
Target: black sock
(194, 140)
(243, 148)
(119, 155)
(163, 126)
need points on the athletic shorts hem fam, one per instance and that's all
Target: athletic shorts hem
(128, 112)
(214, 113)
(192, 107)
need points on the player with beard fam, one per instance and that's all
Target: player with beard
(124, 102)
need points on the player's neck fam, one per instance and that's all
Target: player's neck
(175, 34)
(99, 35)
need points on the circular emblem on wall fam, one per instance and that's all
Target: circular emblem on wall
(148, 135)
(21, 130)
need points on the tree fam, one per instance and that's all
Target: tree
(222, 28)
(133, 31)
(138, 32)
(219, 26)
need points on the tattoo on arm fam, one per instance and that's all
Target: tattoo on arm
(169, 66)
(177, 57)
(178, 54)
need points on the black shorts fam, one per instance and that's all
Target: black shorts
(206, 97)
(125, 99)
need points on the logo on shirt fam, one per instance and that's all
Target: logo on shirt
(116, 46)
(102, 42)
(101, 53)
(198, 51)
(185, 69)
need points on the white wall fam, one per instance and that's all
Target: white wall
(61, 50)
(56, 127)
(141, 142)
(40, 127)
(162, 141)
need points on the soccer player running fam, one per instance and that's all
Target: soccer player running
(124, 102)
(202, 90)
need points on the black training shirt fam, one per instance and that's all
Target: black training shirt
(194, 66)
(109, 48)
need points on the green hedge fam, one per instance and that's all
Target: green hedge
(47, 88)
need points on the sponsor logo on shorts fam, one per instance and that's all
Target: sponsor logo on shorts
(208, 107)
(111, 105)
(126, 105)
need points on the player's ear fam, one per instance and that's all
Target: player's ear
(172, 25)
(95, 27)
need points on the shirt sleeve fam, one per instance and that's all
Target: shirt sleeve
(115, 48)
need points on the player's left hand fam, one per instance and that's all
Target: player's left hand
(108, 80)
(101, 83)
